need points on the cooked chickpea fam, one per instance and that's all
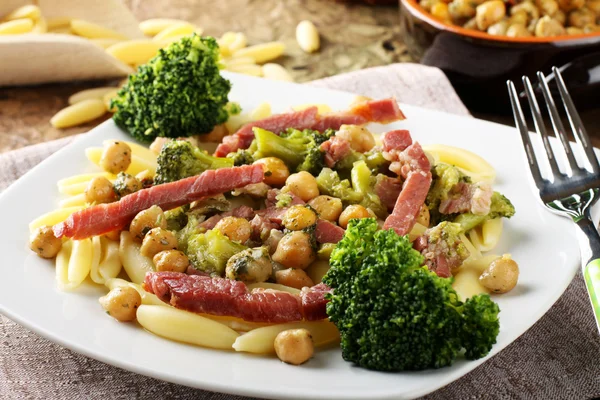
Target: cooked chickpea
(569, 5)
(250, 265)
(548, 7)
(171, 260)
(359, 137)
(276, 172)
(327, 207)
(146, 220)
(470, 24)
(145, 178)
(303, 185)
(121, 303)
(560, 16)
(424, 217)
(126, 184)
(116, 157)
(293, 277)
(499, 28)
(426, 4)
(299, 217)
(528, 8)
(461, 10)
(440, 11)
(547, 26)
(520, 18)
(295, 250)
(582, 17)
(237, 229)
(594, 6)
(100, 190)
(591, 28)
(501, 276)
(273, 240)
(294, 346)
(44, 243)
(517, 30)
(157, 240)
(489, 13)
(574, 31)
(354, 211)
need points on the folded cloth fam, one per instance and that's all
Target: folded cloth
(556, 359)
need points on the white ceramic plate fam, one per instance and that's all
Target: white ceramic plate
(28, 294)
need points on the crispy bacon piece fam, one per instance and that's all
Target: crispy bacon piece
(220, 296)
(326, 232)
(103, 218)
(381, 111)
(388, 189)
(413, 194)
(335, 150)
(397, 140)
(475, 198)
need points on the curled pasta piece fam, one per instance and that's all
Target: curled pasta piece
(94, 31)
(261, 340)
(466, 283)
(147, 298)
(134, 263)
(78, 200)
(151, 27)
(109, 262)
(78, 113)
(273, 286)
(416, 231)
(186, 327)
(95, 93)
(177, 29)
(16, 26)
(470, 163)
(323, 108)
(73, 263)
(53, 217)
(82, 178)
(317, 270)
(261, 53)
(246, 69)
(138, 163)
(474, 252)
(263, 110)
(134, 51)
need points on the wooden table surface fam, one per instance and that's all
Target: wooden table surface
(353, 36)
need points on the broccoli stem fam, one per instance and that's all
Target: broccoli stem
(271, 145)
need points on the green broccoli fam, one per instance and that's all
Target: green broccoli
(445, 177)
(300, 150)
(395, 315)
(241, 157)
(180, 159)
(177, 93)
(357, 190)
(177, 218)
(501, 207)
(126, 184)
(210, 251)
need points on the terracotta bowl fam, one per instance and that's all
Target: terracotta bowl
(477, 63)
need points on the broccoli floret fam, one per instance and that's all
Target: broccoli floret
(241, 157)
(283, 200)
(445, 177)
(210, 251)
(177, 93)
(176, 218)
(501, 207)
(359, 190)
(395, 315)
(191, 228)
(126, 184)
(300, 150)
(180, 159)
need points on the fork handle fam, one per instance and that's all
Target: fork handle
(589, 241)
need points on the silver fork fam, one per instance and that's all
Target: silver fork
(571, 191)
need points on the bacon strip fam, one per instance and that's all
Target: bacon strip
(381, 111)
(326, 232)
(219, 296)
(104, 218)
(413, 194)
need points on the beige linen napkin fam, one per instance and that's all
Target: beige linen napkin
(558, 358)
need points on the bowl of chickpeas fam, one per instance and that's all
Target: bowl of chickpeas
(481, 43)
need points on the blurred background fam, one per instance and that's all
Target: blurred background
(355, 35)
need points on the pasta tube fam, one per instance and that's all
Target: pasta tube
(78, 113)
(466, 283)
(276, 72)
(138, 164)
(73, 263)
(16, 26)
(78, 200)
(322, 108)
(317, 270)
(28, 11)
(93, 31)
(151, 27)
(134, 51)
(261, 340)
(178, 29)
(96, 93)
(262, 111)
(186, 327)
(261, 53)
(71, 180)
(249, 69)
(53, 217)
(40, 26)
(109, 262)
(470, 163)
(58, 22)
(134, 263)
(273, 286)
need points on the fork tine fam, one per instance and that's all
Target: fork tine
(540, 127)
(522, 125)
(557, 125)
(575, 121)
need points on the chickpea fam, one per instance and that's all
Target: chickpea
(145, 178)
(294, 346)
(146, 220)
(560, 16)
(574, 31)
(327, 207)
(276, 172)
(548, 7)
(470, 24)
(273, 240)
(293, 277)
(359, 137)
(501, 276)
(100, 190)
(528, 8)
(295, 250)
(439, 11)
(354, 211)
(299, 217)
(521, 18)
(591, 28)
(250, 265)
(547, 26)
(581, 18)
(121, 303)
(517, 30)
(171, 260)
(303, 185)
(116, 157)
(594, 6)
(426, 4)
(236, 229)
(126, 184)
(157, 240)
(570, 5)
(424, 217)
(44, 243)
(489, 13)
(499, 28)
(461, 10)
